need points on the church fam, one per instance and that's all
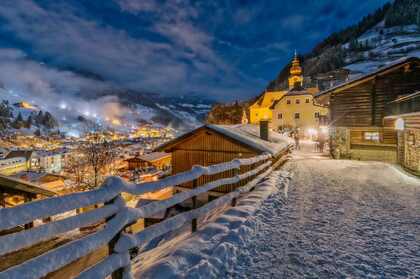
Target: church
(290, 109)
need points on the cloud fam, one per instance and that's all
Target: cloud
(293, 22)
(66, 38)
(172, 46)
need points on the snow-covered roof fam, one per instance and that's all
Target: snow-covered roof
(359, 78)
(154, 156)
(249, 135)
(23, 186)
(245, 134)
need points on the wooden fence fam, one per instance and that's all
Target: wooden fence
(117, 216)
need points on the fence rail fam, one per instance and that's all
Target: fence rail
(117, 216)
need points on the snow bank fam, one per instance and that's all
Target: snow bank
(213, 249)
(130, 241)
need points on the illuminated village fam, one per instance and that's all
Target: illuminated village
(312, 174)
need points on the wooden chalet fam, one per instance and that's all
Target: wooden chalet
(159, 160)
(213, 144)
(403, 114)
(359, 107)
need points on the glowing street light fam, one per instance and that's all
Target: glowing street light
(399, 124)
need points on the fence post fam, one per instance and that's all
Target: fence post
(117, 274)
(194, 206)
(235, 173)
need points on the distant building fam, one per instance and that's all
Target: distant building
(367, 115)
(159, 160)
(292, 108)
(45, 180)
(39, 160)
(297, 110)
(12, 165)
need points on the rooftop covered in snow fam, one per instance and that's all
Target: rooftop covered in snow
(323, 95)
(244, 134)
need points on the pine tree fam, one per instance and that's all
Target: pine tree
(28, 122)
(18, 123)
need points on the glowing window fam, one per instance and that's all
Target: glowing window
(371, 136)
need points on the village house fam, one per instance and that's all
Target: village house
(293, 108)
(12, 165)
(158, 160)
(366, 114)
(297, 110)
(213, 144)
(45, 180)
(39, 160)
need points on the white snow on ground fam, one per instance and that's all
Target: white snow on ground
(214, 247)
(339, 219)
(342, 219)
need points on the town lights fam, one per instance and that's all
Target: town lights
(63, 106)
(324, 129)
(399, 124)
(312, 132)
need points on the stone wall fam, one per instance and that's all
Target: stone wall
(340, 143)
(412, 150)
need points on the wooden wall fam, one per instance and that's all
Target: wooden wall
(364, 105)
(386, 136)
(206, 148)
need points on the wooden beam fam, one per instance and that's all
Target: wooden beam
(373, 102)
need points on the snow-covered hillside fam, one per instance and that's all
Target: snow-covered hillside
(381, 45)
(116, 111)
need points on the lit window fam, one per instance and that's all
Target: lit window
(316, 114)
(280, 116)
(288, 102)
(371, 136)
(307, 101)
(297, 101)
(297, 115)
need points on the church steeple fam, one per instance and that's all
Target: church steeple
(296, 77)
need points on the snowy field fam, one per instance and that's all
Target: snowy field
(334, 219)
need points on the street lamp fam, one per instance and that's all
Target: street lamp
(399, 124)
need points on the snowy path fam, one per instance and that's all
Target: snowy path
(341, 219)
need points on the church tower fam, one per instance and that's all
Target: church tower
(296, 77)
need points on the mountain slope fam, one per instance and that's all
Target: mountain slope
(391, 32)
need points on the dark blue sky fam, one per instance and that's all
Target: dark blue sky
(224, 49)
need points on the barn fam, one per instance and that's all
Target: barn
(213, 144)
(359, 110)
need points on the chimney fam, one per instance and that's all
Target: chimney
(264, 130)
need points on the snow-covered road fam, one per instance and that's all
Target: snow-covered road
(341, 219)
